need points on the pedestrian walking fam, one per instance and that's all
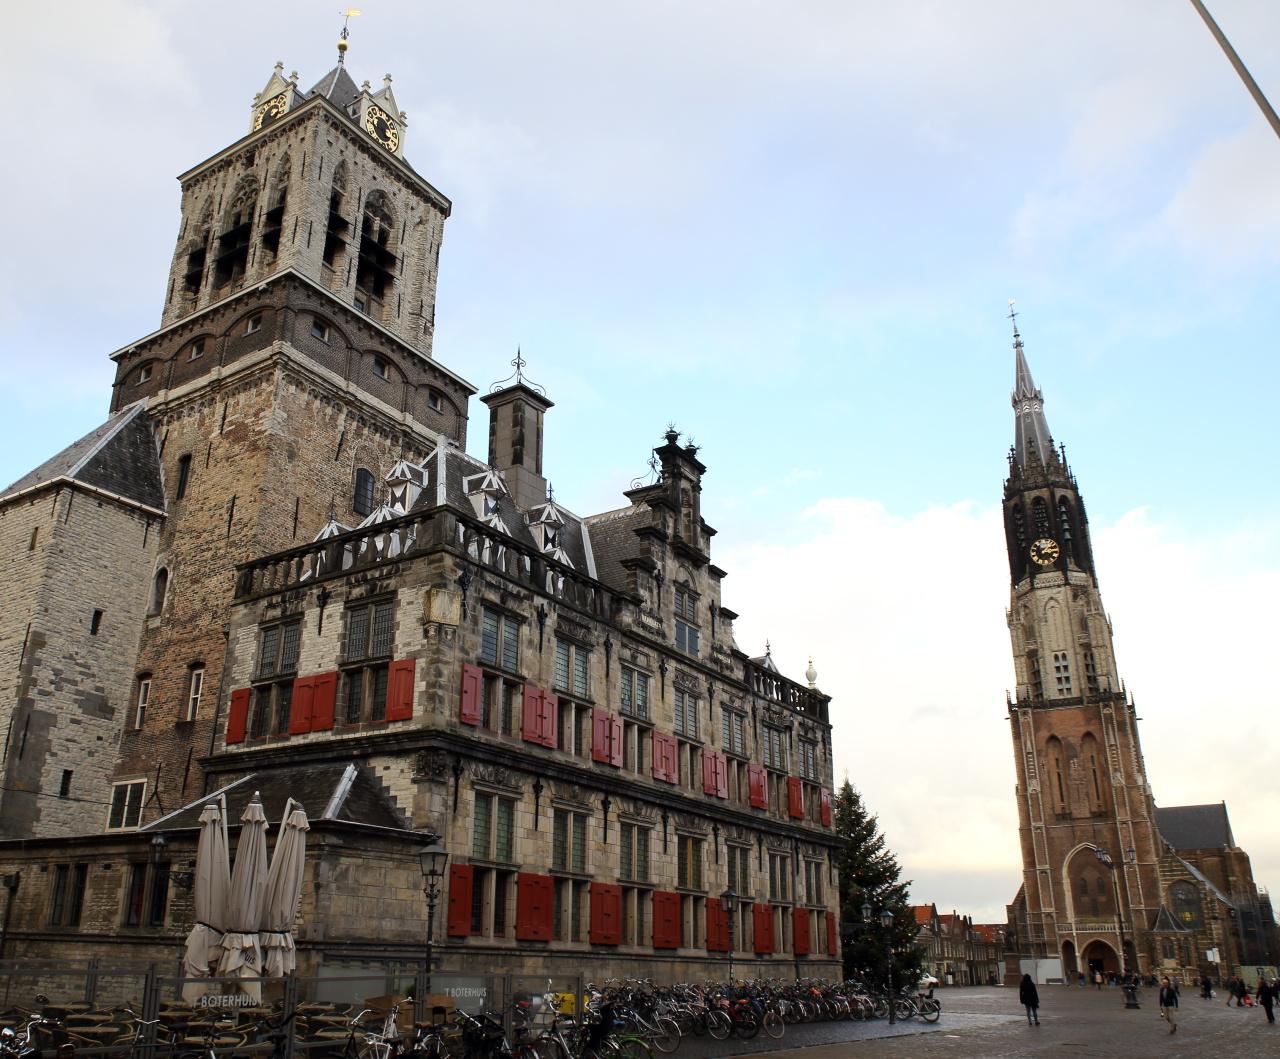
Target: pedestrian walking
(1029, 997)
(1097, 980)
(1267, 995)
(1169, 1004)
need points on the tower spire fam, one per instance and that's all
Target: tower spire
(1031, 435)
(347, 15)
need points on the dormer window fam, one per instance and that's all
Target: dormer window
(144, 373)
(380, 367)
(254, 324)
(320, 330)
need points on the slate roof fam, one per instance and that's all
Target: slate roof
(1031, 430)
(119, 456)
(613, 540)
(336, 86)
(1195, 826)
(345, 792)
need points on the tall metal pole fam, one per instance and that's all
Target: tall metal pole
(433, 895)
(1268, 111)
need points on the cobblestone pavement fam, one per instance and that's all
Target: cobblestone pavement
(988, 1022)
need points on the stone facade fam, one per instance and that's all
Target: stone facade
(72, 598)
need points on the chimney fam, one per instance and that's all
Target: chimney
(515, 440)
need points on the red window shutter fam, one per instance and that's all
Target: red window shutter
(826, 807)
(615, 740)
(664, 758)
(795, 797)
(472, 694)
(538, 717)
(460, 883)
(300, 707)
(763, 922)
(708, 772)
(533, 907)
(550, 710)
(722, 775)
(800, 931)
(601, 730)
(400, 690)
(759, 787)
(717, 926)
(831, 934)
(606, 907)
(238, 715)
(322, 701)
(666, 920)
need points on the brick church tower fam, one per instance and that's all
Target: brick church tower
(1090, 846)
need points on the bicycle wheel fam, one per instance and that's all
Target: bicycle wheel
(719, 1025)
(746, 1026)
(930, 1011)
(905, 1009)
(666, 1038)
(879, 1008)
(773, 1025)
(634, 1048)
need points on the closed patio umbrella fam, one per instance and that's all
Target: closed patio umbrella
(241, 957)
(284, 891)
(209, 896)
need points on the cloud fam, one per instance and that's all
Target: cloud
(904, 617)
(1226, 212)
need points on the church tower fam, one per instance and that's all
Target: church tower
(1090, 848)
(292, 370)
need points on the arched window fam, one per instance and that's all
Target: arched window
(1091, 754)
(159, 589)
(198, 251)
(273, 220)
(1054, 748)
(362, 501)
(375, 273)
(233, 244)
(335, 236)
(1186, 905)
(1040, 515)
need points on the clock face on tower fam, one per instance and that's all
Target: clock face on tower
(269, 111)
(1044, 552)
(382, 127)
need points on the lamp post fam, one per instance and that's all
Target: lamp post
(886, 921)
(431, 859)
(1104, 858)
(729, 903)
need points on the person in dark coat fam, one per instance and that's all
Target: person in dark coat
(1267, 995)
(1029, 997)
(1168, 1004)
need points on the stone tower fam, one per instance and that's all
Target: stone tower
(291, 372)
(1082, 785)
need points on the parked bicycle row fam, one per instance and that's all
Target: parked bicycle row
(630, 1019)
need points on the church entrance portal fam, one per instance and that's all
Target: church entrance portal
(1099, 956)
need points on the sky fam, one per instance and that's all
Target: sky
(793, 231)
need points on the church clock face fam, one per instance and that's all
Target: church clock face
(1044, 552)
(269, 111)
(382, 127)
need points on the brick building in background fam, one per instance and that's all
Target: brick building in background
(276, 569)
(1110, 882)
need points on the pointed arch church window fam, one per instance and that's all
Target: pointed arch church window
(377, 263)
(273, 219)
(233, 243)
(1040, 515)
(159, 589)
(335, 236)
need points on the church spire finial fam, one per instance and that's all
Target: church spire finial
(1030, 428)
(347, 16)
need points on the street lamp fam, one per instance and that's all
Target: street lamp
(431, 859)
(729, 904)
(1104, 858)
(886, 922)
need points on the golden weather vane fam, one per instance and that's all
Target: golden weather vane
(347, 16)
